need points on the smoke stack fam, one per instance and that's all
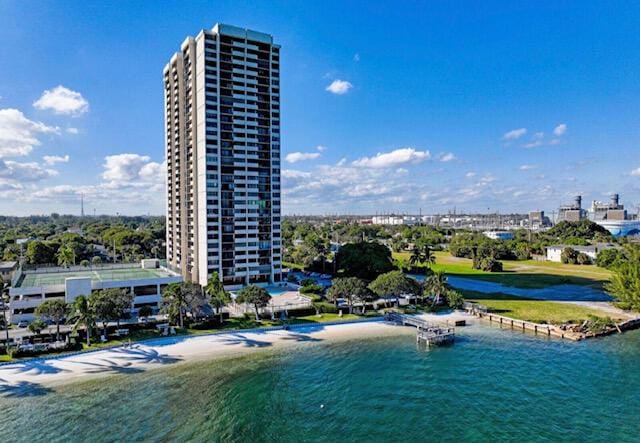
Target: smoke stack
(615, 199)
(578, 202)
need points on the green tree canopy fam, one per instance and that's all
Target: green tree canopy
(364, 260)
(54, 310)
(256, 296)
(352, 289)
(625, 282)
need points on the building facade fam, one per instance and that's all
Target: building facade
(222, 127)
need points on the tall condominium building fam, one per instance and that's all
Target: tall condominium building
(222, 126)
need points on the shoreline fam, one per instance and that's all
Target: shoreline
(159, 352)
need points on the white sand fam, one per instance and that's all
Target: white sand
(142, 356)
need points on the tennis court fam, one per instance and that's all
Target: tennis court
(58, 278)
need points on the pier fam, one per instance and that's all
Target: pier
(430, 333)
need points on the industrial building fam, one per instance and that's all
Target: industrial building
(572, 212)
(222, 134)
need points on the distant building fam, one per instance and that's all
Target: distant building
(538, 220)
(613, 217)
(572, 212)
(499, 235)
(7, 269)
(554, 252)
(32, 288)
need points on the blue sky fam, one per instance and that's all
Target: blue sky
(506, 106)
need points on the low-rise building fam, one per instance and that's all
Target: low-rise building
(32, 287)
(554, 252)
(7, 270)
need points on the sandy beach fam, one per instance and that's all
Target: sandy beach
(174, 350)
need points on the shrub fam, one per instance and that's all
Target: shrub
(455, 299)
(583, 259)
(609, 258)
(487, 264)
(313, 288)
(569, 256)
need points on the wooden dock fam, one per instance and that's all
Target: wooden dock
(429, 333)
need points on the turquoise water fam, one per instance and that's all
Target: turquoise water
(492, 385)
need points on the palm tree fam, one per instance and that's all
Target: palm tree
(66, 256)
(83, 314)
(436, 284)
(422, 255)
(4, 297)
(216, 293)
(54, 310)
(175, 297)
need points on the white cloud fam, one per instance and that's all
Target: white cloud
(72, 131)
(356, 57)
(536, 140)
(514, 134)
(527, 167)
(294, 174)
(470, 174)
(636, 172)
(321, 148)
(131, 170)
(339, 87)
(342, 161)
(447, 157)
(62, 100)
(394, 158)
(18, 134)
(295, 157)
(24, 172)
(560, 130)
(53, 159)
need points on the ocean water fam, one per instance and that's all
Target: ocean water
(491, 385)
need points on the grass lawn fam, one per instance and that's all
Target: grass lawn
(521, 274)
(539, 311)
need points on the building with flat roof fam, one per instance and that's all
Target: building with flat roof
(222, 134)
(31, 288)
(554, 252)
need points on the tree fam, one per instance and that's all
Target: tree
(217, 296)
(609, 258)
(39, 252)
(421, 255)
(455, 300)
(364, 260)
(180, 299)
(256, 296)
(583, 259)
(174, 300)
(4, 298)
(569, 256)
(394, 283)
(145, 311)
(437, 285)
(84, 263)
(96, 260)
(625, 282)
(350, 288)
(36, 326)
(53, 310)
(83, 314)
(66, 256)
(103, 306)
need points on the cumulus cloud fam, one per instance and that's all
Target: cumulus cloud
(18, 134)
(394, 158)
(294, 174)
(11, 171)
(447, 157)
(53, 159)
(636, 172)
(123, 170)
(514, 134)
(470, 174)
(321, 148)
(62, 100)
(295, 157)
(339, 87)
(560, 130)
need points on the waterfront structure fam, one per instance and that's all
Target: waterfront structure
(554, 252)
(499, 235)
(222, 127)
(31, 288)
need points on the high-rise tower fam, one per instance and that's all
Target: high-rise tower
(222, 129)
